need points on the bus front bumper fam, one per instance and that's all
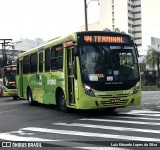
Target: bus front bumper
(88, 102)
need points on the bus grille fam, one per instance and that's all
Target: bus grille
(114, 96)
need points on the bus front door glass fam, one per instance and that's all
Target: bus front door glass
(71, 78)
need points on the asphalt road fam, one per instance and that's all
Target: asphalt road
(127, 128)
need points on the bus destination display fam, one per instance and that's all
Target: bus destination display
(11, 68)
(105, 39)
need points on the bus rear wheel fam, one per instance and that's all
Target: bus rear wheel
(111, 109)
(15, 97)
(62, 102)
(30, 99)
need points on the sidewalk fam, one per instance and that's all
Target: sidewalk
(150, 88)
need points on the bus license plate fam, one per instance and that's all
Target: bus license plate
(113, 101)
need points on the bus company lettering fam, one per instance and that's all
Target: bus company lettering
(106, 39)
(51, 81)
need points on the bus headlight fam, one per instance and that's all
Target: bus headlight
(136, 88)
(88, 90)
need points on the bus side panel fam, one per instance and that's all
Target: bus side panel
(25, 85)
(32, 82)
(53, 80)
(49, 88)
(19, 79)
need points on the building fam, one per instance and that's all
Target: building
(93, 27)
(122, 15)
(154, 43)
(26, 44)
(9, 50)
(138, 18)
(150, 20)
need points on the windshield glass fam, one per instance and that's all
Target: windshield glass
(108, 63)
(10, 78)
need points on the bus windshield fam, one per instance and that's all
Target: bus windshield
(108, 63)
(9, 78)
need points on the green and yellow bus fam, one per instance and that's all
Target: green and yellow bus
(9, 81)
(85, 70)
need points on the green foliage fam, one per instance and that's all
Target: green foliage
(151, 58)
(142, 67)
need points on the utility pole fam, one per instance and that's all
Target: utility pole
(5, 43)
(85, 12)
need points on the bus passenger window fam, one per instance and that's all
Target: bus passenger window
(57, 57)
(33, 64)
(26, 65)
(53, 52)
(40, 62)
(47, 59)
(17, 67)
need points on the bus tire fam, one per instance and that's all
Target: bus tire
(62, 102)
(30, 99)
(110, 109)
(15, 97)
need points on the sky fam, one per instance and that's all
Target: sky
(150, 20)
(46, 19)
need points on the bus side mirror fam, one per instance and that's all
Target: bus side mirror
(136, 50)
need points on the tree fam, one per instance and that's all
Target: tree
(117, 30)
(107, 30)
(151, 58)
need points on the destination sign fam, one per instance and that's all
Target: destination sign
(11, 68)
(105, 39)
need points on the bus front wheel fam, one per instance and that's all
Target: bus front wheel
(62, 102)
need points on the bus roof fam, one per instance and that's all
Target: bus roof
(61, 40)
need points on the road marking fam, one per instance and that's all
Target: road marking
(142, 114)
(108, 127)
(90, 134)
(141, 111)
(19, 132)
(152, 115)
(8, 111)
(10, 137)
(139, 118)
(121, 121)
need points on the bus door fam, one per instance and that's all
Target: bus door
(72, 82)
(20, 79)
(40, 79)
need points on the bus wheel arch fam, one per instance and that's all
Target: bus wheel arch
(60, 100)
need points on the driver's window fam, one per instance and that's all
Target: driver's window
(126, 59)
